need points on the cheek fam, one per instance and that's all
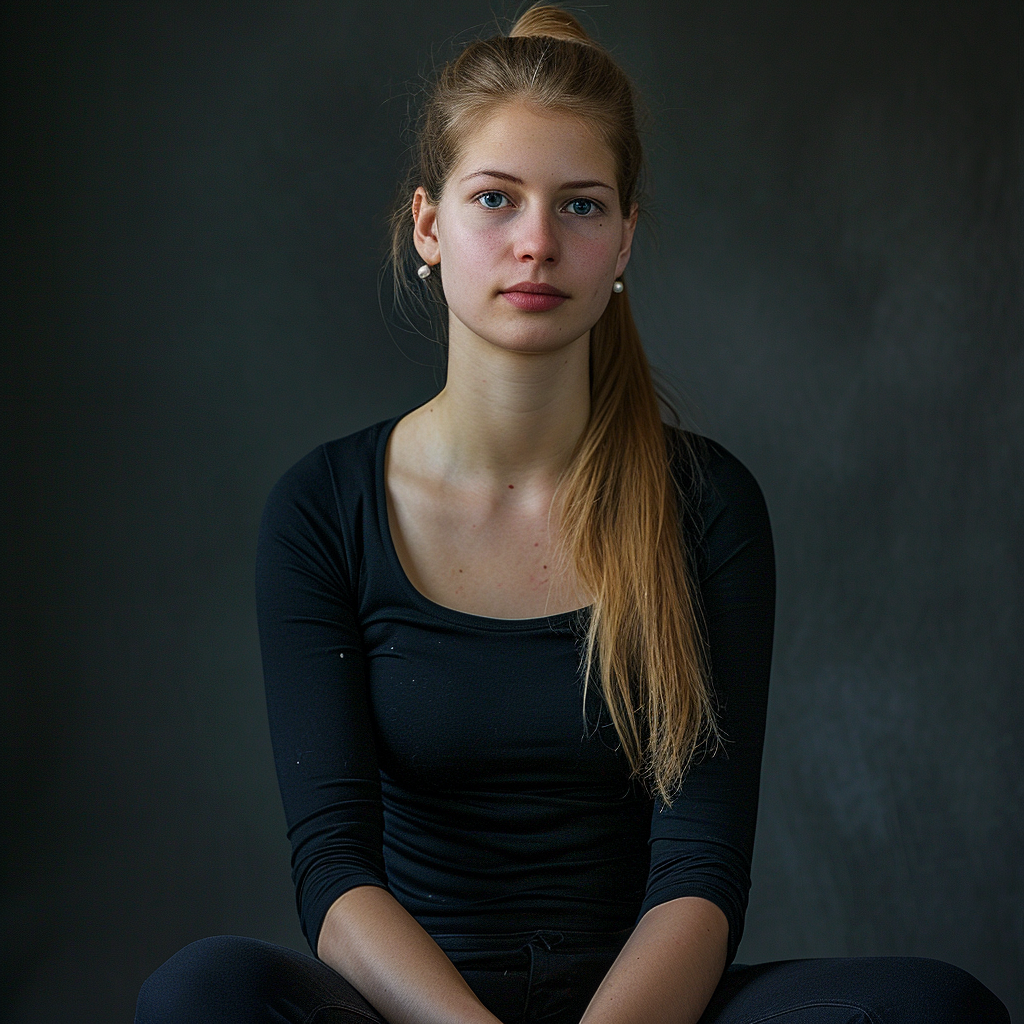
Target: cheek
(468, 256)
(595, 257)
(594, 241)
(468, 244)
(471, 254)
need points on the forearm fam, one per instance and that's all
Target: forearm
(381, 950)
(668, 969)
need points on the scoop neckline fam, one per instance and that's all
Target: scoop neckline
(441, 611)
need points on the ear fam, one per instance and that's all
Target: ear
(424, 232)
(628, 228)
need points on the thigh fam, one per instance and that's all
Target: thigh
(229, 979)
(854, 990)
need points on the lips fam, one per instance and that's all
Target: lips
(534, 297)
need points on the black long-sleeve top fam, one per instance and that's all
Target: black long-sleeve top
(448, 758)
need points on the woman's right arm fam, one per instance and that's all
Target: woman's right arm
(322, 731)
(373, 942)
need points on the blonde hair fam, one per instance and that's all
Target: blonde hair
(620, 512)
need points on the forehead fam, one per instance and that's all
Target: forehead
(536, 146)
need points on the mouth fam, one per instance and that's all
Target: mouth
(534, 297)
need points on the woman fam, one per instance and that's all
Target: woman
(517, 641)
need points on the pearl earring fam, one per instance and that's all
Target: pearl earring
(618, 287)
(424, 272)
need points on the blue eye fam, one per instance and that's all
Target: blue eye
(582, 207)
(492, 200)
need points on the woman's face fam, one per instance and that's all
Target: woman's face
(529, 231)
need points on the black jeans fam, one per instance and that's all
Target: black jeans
(548, 978)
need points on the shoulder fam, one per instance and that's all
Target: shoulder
(333, 473)
(321, 510)
(723, 506)
(710, 478)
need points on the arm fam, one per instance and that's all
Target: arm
(321, 725)
(377, 946)
(668, 969)
(702, 846)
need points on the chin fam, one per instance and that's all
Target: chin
(527, 333)
(536, 342)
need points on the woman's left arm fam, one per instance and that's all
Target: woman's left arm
(701, 846)
(668, 969)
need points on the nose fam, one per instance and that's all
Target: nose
(536, 239)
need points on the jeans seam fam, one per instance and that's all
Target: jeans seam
(375, 1019)
(810, 1004)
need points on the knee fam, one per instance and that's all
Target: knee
(948, 993)
(203, 981)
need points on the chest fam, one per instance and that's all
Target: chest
(495, 559)
(487, 709)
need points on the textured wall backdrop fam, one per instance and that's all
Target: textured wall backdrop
(832, 276)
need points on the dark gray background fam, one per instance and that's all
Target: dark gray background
(832, 276)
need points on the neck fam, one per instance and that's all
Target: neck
(510, 416)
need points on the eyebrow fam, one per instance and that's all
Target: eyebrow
(583, 183)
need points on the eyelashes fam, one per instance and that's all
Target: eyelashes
(485, 199)
(582, 206)
(590, 205)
